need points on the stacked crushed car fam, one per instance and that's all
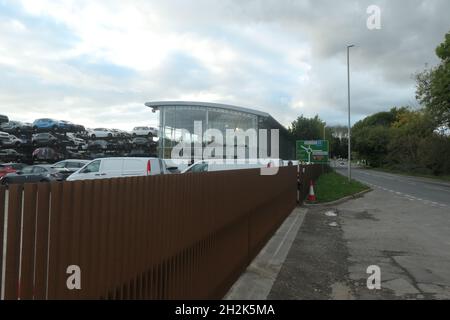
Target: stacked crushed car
(49, 141)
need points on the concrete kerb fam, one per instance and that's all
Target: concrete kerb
(340, 201)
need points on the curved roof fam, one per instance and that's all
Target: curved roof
(162, 104)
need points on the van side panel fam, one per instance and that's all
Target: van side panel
(111, 167)
(134, 167)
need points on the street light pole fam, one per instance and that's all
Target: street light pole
(349, 120)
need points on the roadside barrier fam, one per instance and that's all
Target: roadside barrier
(159, 237)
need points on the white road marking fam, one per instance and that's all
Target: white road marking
(408, 197)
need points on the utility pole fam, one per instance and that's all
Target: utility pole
(349, 119)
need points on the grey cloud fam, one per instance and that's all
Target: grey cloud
(262, 33)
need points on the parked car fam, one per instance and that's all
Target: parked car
(173, 170)
(98, 145)
(67, 167)
(32, 174)
(45, 124)
(76, 155)
(120, 133)
(101, 133)
(119, 167)
(179, 164)
(122, 145)
(70, 164)
(78, 142)
(79, 128)
(6, 168)
(140, 142)
(4, 137)
(16, 127)
(66, 126)
(14, 141)
(3, 118)
(44, 139)
(46, 155)
(232, 164)
(11, 155)
(144, 131)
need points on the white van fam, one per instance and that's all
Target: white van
(106, 168)
(232, 164)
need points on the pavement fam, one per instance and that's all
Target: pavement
(402, 227)
(256, 283)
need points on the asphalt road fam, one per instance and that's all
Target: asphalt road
(427, 191)
(402, 226)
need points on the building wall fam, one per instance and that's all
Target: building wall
(177, 125)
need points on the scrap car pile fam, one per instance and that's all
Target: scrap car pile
(47, 141)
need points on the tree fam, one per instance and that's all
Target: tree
(371, 144)
(339, 147)
(433, 153)
(433, 85)
(307, 128)
(371, 136)
(384, 119)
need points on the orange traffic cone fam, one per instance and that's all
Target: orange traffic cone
(311, 196)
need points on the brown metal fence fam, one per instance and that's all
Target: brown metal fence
(162, 237)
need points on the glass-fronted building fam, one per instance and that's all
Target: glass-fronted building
(187, 122)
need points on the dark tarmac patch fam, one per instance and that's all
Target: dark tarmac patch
(365, 215)
(317, 266)
(317, 263)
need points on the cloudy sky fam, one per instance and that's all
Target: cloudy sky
(96, 62)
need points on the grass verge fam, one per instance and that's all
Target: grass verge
(333, 186)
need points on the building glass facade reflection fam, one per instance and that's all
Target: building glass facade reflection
(177, 119)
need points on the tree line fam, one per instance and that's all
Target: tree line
(407, 139)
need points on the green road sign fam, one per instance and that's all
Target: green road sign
(313, 151)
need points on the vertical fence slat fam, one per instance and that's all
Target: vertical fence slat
(2, 231)
(86, 239)
(94, 265)
(42, 235)
(121, 235)
(55, 238)
(126, 252)
(112, 239)
(74, 257)
(102, 230)
(65, 246)
(13, 242)
(28, 242)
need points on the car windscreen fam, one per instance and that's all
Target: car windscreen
(60, 165)
(27, 170)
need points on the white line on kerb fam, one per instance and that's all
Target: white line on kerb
(286, 235)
